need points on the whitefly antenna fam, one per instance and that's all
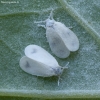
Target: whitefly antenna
(39, 22)
(63, 68)
(51, 15)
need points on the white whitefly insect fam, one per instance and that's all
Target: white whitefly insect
(61, 39)
(40, 63)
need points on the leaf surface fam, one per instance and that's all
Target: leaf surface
(17, 30)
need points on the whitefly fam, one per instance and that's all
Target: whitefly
(61, 39)
(39, 62)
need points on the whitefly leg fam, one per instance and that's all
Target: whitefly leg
(59, 79)
(38, 22)
(39, 25)
(65, 67)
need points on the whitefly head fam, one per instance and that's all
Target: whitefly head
(49, 23)
(58, 71)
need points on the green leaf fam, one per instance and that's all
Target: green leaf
(17, 30)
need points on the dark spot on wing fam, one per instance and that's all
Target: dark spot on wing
(73, 43)
(27, 65)
(34, 51)
(55, 42)
(68, 33)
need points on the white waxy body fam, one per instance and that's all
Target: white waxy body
(66, 35)
(39, 62)
(61, 39)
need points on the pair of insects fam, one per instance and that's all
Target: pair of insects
(61, 41)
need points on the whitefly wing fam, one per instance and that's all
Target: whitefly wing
(56, 43)
(68, 37)
(40, 55)
(36, 68)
